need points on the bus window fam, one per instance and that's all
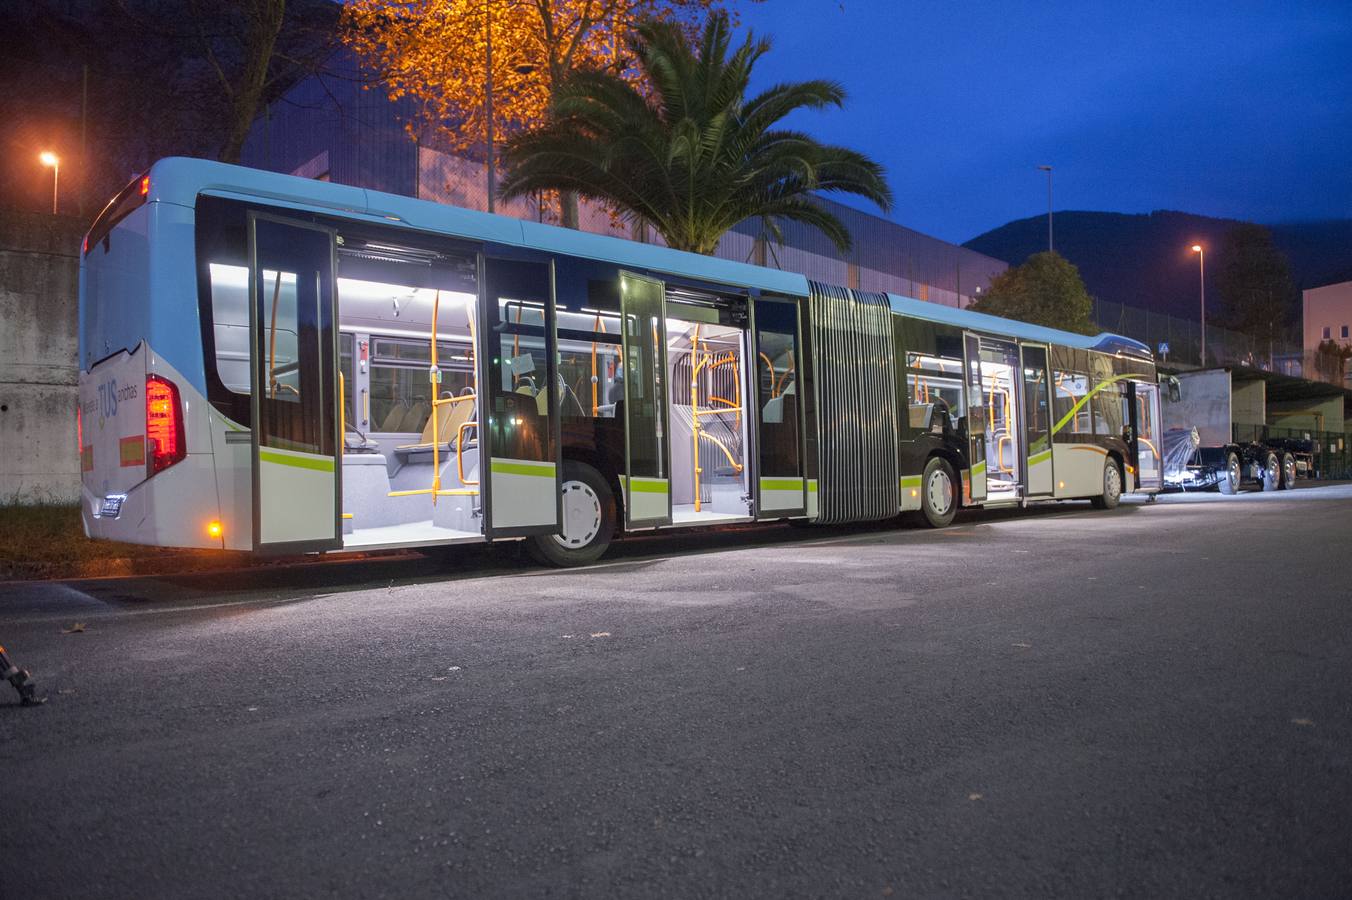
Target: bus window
(1108, 403)
(229, 286)
(400, 396)
(930, 379)
(777, 377)
(1072, 416)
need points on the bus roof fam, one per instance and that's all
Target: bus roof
(1105, 342)
(179, 180)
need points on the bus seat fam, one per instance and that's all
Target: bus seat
(394, 418)
(449, 419)
(415, 418)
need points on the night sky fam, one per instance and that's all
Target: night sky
(1236, 109)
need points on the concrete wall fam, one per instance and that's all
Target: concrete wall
(1328, 308)
(1324, 414)
(39, 296)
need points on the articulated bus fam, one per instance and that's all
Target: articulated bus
(274, 364)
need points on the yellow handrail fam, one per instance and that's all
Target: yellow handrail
(774, 387)
(459, 452)
(600, 327)
(434, 378)
(726, 452)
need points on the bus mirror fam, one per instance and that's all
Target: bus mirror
(1174, 388)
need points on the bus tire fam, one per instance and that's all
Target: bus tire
(1229, 481)
(1272, 472)
(938, 494)
(588, 520)
(1112, 486)
(1288, 472)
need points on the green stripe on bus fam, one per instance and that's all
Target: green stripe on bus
(1039, 457)
(781, 484)
(979, 468)
(318, 464)
(648, 485)
(540, 470)
(812, 485)
(911, 481)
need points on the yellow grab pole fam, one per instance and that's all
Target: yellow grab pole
(694, 410)
(434, 377)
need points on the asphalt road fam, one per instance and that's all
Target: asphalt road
(1153, 701)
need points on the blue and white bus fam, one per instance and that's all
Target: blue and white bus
(274, 364)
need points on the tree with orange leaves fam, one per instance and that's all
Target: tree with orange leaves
(437, 52)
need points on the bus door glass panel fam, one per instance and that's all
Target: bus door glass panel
(1037, 420)
(294, 392)
(1145, 428)
(779, 477)
(1004, 435)
(976, 420)
(647, 478)
(519, 443)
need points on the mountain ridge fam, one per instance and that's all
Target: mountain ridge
(1145, 260)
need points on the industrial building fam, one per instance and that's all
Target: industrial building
(333, 127)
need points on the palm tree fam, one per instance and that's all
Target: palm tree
(695, 157)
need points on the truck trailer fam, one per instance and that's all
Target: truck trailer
(1200, 450)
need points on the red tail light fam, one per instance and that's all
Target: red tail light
(145, 185)
(164, 425)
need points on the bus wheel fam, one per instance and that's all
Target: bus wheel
(1229, 483)
(1288, 471)
(588, 520)
(1272, 473)
(1112, 487)
(938, 495)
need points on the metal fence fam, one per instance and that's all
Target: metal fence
(1183, 338)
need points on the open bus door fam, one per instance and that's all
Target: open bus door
(518, 404)
(294, 394)
(647, 479)
(780, 487)
(1037, 411)
(976, 420)
(1146, 437)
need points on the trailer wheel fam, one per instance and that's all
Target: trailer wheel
(1272, 472)
(1112, 487)
(1229, 483)
(588, 520)
(1288, 471)
(938, 494)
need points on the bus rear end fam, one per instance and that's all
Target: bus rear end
(146, 466)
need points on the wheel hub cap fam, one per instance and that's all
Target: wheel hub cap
(581, 516)
(939, 492)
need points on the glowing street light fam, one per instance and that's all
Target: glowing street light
(1201, 280)
(48, 158)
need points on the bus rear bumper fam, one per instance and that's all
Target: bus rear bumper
(175, 508)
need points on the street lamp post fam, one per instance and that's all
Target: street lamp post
(1201, 280)
(48, 158)
(1048, 170)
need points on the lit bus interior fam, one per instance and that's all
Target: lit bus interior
(708, 404)
(1004, 437)
(410, 412)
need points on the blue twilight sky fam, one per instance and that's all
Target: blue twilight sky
(1239, 109)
